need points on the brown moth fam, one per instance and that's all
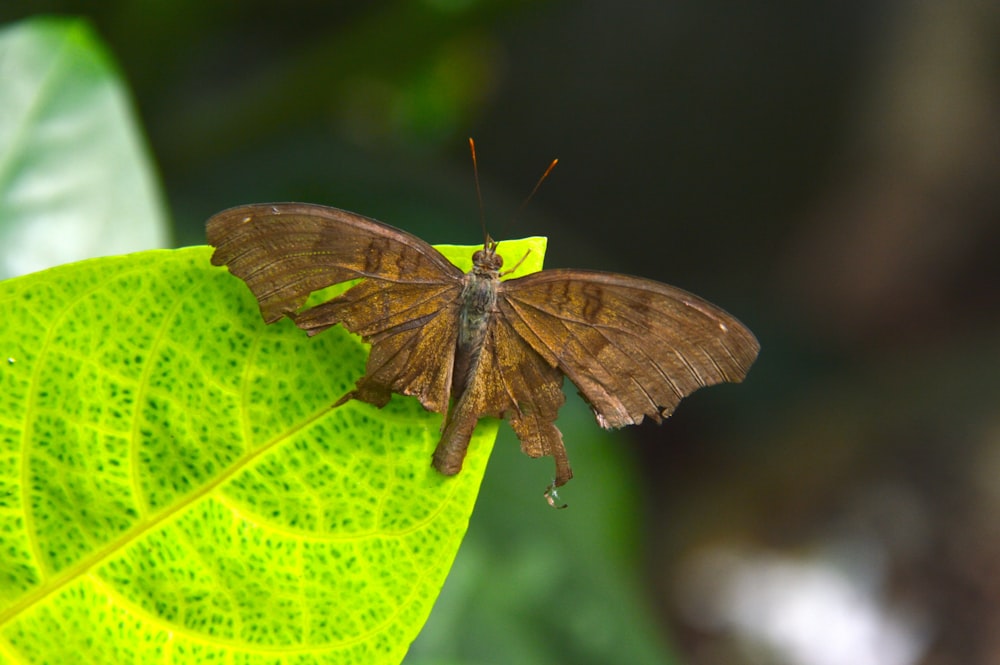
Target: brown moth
(468, 345)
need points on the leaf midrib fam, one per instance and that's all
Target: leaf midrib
(59, 580)
(64, 577)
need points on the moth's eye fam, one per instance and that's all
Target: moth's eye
(477, 256)
(498, 260)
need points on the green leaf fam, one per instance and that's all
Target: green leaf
(175, 488)
(75, 178)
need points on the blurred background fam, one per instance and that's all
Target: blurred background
(827, 171)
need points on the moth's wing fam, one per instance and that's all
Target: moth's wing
(633, 347)
(404, 306)
(510, 380)
(412, 329)
(534, 388)
(285, 251)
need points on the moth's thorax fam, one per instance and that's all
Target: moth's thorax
(476, 305)
(475, 309)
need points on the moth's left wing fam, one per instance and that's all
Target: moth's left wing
(285, 251)
(633, 347)
(404, 306)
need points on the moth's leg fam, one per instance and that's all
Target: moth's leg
(516, 265)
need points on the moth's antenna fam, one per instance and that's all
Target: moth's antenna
(537, 185)
(479, 194)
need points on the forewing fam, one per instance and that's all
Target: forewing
(633, 347)
(285, 251)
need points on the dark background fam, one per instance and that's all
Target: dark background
(826, 171)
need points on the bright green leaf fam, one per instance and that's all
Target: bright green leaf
(75, 177)
(175, 488)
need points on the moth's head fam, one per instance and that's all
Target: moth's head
(487, 257)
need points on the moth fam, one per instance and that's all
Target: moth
(468, 345)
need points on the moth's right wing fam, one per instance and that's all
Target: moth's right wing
(634, 347)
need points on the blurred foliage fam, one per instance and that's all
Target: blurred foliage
(75, 179)
(533, 586)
